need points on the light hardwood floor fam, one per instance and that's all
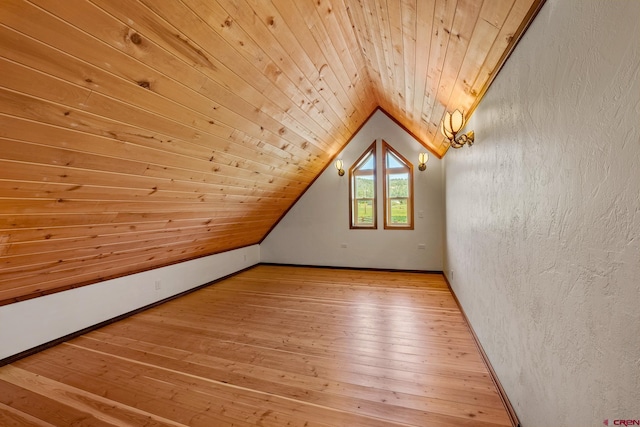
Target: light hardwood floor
(271, 346)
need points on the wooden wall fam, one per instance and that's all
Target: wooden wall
(138, 133)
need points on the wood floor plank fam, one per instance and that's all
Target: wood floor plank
(224, 352)
(344, 343)
(347, 384)
(10, 417)
(62, 405)
(271, 346)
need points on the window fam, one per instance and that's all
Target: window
(362, 190)
(398, 190)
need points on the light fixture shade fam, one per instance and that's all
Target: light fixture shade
(423, 158)
(456, 121)
(447, 121)
(443, 129)
(339, 164)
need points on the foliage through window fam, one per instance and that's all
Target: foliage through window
(398, 189)
(362, 188)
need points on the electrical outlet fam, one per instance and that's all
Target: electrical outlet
(158, 285)
(343, 245)
(422, 246)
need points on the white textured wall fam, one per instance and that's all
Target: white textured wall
(34, 322)
(543, 217)
(315, 229)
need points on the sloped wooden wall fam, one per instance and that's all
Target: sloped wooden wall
(139, 133)
(136, 134)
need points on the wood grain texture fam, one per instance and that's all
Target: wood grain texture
(426, 57)
(216, 114)
(271, 346)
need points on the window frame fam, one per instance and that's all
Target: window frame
(370, 151)
(386, 171)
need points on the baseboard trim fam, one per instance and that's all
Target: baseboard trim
(52, 343)
(390, 270)
(515, 422)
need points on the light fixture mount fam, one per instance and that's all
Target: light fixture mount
(423, 158)
(451, 125)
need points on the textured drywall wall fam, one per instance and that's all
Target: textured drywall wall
(34, 322)
(316, 228)
(543, 217)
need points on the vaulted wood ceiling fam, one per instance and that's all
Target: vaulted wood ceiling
(138, 133)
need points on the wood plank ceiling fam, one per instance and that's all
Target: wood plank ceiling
(138, 133)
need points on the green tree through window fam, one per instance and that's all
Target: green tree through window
(362, 183)
(398, 190)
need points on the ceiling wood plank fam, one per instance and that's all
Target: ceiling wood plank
(259, 45)
(379, 18)
(249, 67)
(110, 31)
(508, 33)
(21, 256)
(396, 48)
(356, 19)
(103, 82)
(326, 33)
(340, 30)
(369, 22)
(61, 233)
(409, 34)
(292, 35)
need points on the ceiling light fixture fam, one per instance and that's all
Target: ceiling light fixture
(339, 165)
(423, 158)
(451, 125)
